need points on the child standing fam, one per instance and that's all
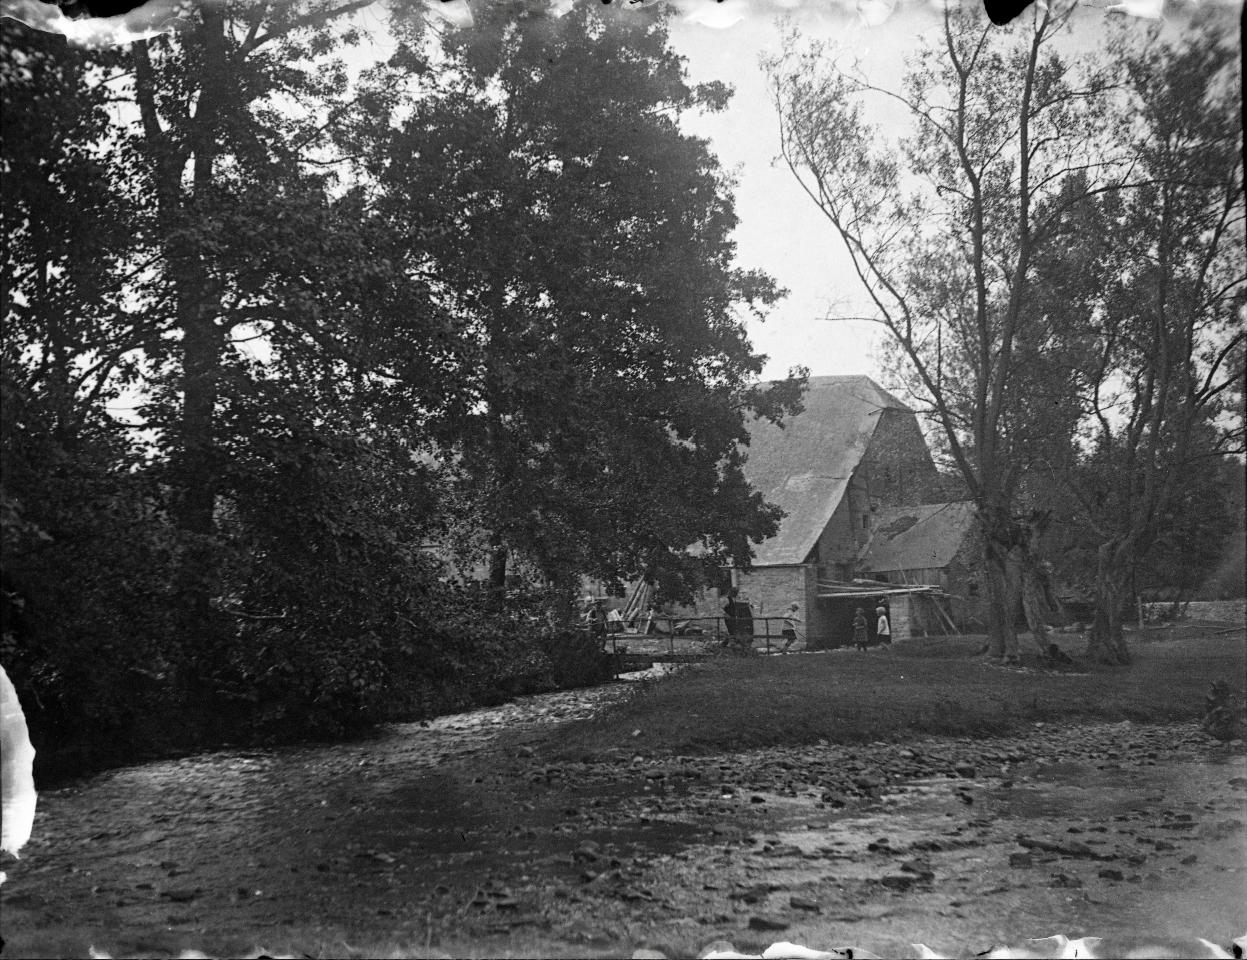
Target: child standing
(859, 629)
(883, 628)
(790, 625)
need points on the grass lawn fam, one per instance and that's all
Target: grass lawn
(921, 687)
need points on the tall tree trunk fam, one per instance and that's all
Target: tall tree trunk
(197, 471)
(196, 466)
(1002, 639)
(1108, 643)
(202, 340)
(1035, 584)
(498, 566)
(1034, 605)
(202, 344)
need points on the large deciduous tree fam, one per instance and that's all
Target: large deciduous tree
(583, 252)
(184, 237)
(260, 239)
(1164, 386)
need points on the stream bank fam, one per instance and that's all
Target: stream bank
(468, 836)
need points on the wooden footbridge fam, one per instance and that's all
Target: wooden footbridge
(664, 639)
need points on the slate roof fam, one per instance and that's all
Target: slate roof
(805, 467)
(917, 538)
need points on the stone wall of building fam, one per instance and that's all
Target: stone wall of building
(965, 586)
(769, 591)
(900, 616)
(837, 545)
(897, 469)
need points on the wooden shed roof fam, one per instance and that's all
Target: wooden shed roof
(917, 538)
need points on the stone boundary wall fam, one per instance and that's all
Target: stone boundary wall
(1229, 610)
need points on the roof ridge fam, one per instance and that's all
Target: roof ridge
(884, 398)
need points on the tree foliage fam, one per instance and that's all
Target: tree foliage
(277, 328)
(582, 247)
(1164, 388)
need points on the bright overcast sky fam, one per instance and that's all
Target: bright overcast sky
(781, 231)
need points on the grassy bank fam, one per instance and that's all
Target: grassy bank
(927, 687)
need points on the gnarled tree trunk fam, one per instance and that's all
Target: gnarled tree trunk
(1107, 642)
(1035, 583)
(1001, 582)
(1034, 597)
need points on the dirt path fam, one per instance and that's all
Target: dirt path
(463, 837)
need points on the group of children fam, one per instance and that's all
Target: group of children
(861, 638)
(883, 630)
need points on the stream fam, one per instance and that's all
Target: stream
(460, 837)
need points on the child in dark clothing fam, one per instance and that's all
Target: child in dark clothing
(859, 629)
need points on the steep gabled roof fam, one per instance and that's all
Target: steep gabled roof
(917, 538)
(805, 466)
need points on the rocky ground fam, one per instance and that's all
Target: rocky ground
(466, 837)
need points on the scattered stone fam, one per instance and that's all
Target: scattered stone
(766, 922)
(1222, 830)
(755, 894)
(1069, 848)
(1109, 873)
(804, 903)
(898, 881)
(180, 896)
(718, 946)
(966, 771)
(1188, 860)
(1020, 860)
